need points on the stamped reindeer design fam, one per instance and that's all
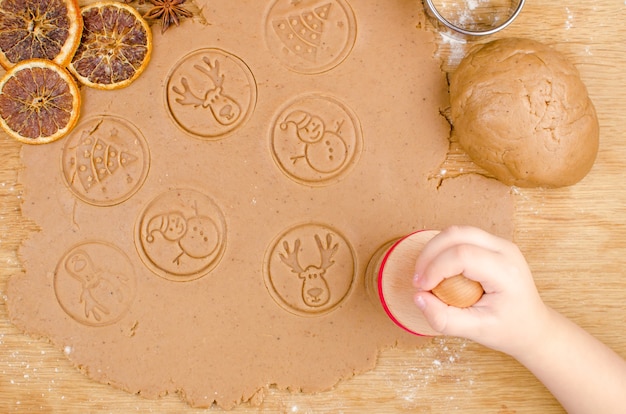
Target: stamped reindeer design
(315, 290)
(224, 108)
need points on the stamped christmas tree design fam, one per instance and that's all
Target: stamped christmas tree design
(302, 33)
(98, 159)
(310, 36)
(105, 160)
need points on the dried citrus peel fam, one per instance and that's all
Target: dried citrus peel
(39, 101)
(115, 47)
(46, 29)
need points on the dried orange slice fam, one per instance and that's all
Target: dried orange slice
(115, 47)
(39, 101)
(43, 29)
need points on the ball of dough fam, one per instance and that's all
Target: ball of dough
(521, 111)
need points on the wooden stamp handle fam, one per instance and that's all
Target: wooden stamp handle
(459, 291)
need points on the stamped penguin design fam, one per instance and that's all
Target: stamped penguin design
(105, 160)
(210, 93)
(310, 269)
(310, 36)
(95, 283)
(181, 235)
(316, 139)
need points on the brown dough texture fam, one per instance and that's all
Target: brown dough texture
(521, 111)
(206, 231)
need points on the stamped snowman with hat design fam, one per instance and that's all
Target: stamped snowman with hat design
(324, 151)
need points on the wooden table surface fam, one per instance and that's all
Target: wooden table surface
(573, 238)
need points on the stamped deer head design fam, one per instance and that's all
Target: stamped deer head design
(315, 290)
(224, 108)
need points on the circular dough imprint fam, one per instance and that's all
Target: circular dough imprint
(521, 111)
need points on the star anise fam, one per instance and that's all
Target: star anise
(169, 11)
(139, 2)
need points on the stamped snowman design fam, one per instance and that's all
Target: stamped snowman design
(324, 151)
(316, 139)
(197, 236)
(181, 235)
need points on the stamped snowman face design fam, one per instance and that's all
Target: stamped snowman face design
(316, 139)
(324, 151)
(181, 235)
(197, 236)
(313, 131)
(171, 226)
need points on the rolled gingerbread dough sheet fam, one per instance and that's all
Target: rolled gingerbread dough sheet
(206, 230)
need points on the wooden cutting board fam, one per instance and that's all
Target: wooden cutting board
(573, 238)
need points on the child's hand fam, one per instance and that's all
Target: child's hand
(581, 372)
(510, 317)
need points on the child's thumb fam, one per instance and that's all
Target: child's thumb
(446, 319)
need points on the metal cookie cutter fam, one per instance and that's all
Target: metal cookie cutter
(470, 30)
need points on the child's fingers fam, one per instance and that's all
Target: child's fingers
(474, 262)
(454, 236)
(446, 319)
